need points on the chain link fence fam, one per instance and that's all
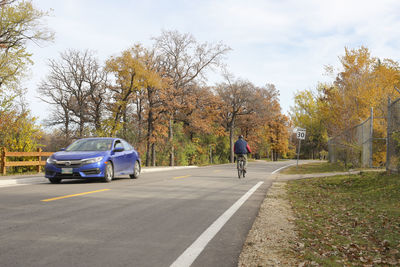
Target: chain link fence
(356, 146)
(393, 133)
(353, 146)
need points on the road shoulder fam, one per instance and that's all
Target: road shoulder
(272, 236)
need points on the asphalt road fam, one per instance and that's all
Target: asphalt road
(197, 217)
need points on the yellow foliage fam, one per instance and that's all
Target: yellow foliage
(19, 23)
(18, 132)
(133, 72)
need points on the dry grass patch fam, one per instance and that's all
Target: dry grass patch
(351, 220)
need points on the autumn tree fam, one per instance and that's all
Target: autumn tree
(184, 61)
(307, 114)
(277, 131)
(157, 99)
(20, 23)
(130, 76)
(150, 101)
(138, 84)
(18, 128)
(363, 82)
(199, 110)
(257, 126)
(241, 98)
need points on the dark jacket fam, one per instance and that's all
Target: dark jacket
(241, 147)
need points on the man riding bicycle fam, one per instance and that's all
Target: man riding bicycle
(241, 149)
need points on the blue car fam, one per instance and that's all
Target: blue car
(94, 158)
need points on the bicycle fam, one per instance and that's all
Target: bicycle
(240, 166)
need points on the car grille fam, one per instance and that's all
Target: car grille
(69, 163)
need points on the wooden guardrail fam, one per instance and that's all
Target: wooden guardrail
(39, 154)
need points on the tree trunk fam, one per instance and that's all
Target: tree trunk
(153, 155)
(231, 130)
(124, 123)
(148, 137)
(66, 124)
(170, 140)
(81, 122)
(97, 119)
(148, 154)
(140, 120)
(97, 123)
(81, 116)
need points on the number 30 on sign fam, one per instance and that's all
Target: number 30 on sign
(301, 134)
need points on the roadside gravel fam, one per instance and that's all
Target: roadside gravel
(272, 238)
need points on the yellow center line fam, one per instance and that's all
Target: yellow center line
(74, 195)
(218, 171)
(180, 177)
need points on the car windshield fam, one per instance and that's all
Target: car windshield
(90, 145)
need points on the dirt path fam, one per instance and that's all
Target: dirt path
(272, 238)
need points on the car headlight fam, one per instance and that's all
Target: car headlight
(92, 160)
(50, 160)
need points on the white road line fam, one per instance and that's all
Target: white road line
(8, 185)
(282, 168)
(192, 252)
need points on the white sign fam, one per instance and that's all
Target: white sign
(301, 134)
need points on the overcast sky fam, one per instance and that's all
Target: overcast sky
(283, 42)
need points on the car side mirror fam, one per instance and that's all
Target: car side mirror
(118, 149)
(62, 149)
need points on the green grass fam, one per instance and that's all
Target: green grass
(317, 167)
(350, 220)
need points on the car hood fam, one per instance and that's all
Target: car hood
(75, 155)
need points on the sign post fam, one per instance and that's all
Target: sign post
(301, 135)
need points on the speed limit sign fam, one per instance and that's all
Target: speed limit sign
(301, 134)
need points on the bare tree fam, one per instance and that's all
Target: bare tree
(6, 2)
(60, 116)
(51, 91)
(184, 60)
(76, 83)
(95, 76)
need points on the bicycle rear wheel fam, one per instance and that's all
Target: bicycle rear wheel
(240, 169)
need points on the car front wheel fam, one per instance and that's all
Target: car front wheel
(109, 173)
(136, 171)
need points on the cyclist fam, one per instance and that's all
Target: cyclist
(241, 149)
